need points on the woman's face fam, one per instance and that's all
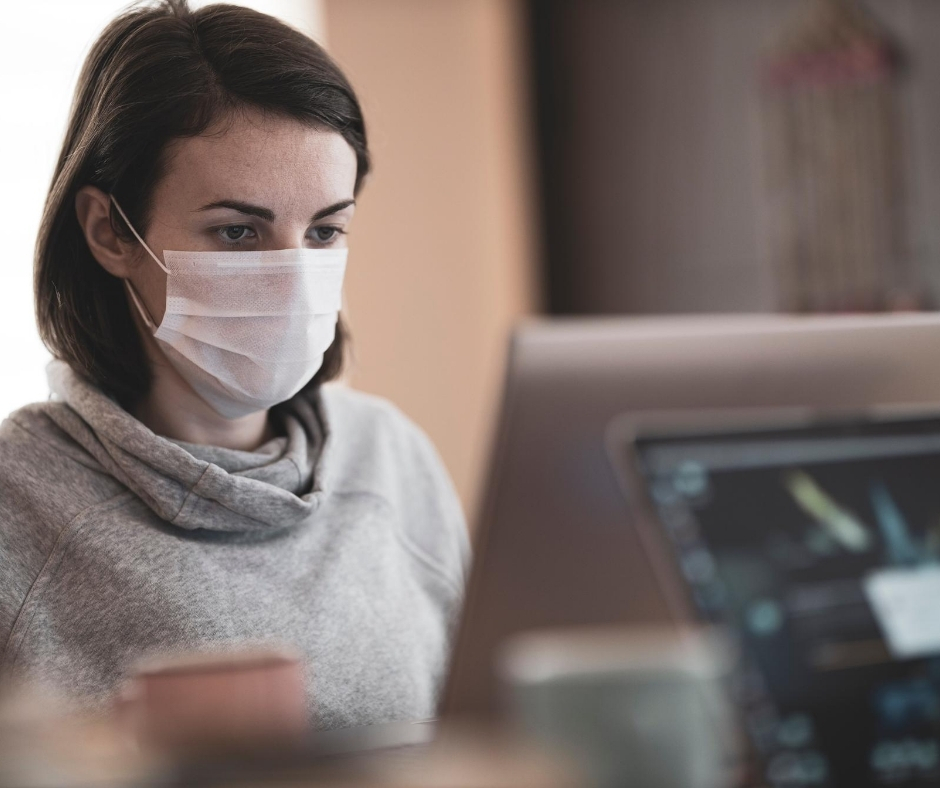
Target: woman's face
(260, 183)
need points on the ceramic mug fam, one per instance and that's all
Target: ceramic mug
(217, 699)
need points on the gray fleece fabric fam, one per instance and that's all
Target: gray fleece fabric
(343, 537)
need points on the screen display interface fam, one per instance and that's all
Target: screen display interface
(820, 548)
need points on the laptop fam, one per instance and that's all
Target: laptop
(557, 543)
(816, 544)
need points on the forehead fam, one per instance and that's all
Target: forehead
(273, 161)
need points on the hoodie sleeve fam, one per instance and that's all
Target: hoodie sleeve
(26, 530)
(43, 490)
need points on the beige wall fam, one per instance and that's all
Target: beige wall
(442, 251)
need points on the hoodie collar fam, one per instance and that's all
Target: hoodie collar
(277, 486)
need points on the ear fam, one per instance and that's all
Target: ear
(93, 208)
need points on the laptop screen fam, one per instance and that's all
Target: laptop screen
(820, 548)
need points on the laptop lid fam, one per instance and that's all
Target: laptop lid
(555, 545)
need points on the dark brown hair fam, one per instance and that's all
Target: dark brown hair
(158, 73)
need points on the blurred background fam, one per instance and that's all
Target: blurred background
(568, 157)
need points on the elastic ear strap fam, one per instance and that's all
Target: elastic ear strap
(143, 243)
(140, 307)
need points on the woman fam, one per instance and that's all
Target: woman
(191, 484)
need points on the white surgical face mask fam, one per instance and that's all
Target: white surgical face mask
(246, 330)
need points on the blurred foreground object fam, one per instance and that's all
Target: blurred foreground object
(44, 744)
(475, 758)
(832, 161)
(642, 707)
(458, 757)
(194, 702)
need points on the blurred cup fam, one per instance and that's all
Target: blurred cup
(204, 701)
(637, 707)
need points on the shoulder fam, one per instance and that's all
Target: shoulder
(367, 414)
(46, 477)
(374, 447)
(375, 434)
(41, 462)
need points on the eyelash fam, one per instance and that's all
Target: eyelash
(336, 233)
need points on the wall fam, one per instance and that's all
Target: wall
(41, 62)
(442, 251)
(652, 154)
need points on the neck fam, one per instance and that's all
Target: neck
(172, 409)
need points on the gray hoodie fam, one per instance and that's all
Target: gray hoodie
(343, 537)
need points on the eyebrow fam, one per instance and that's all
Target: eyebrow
(268, 215)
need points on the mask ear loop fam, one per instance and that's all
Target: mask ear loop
(143, 243)
(140, 307)
(128, 286)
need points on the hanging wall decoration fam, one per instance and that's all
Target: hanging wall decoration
(832, 164)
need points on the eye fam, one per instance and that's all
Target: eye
(326, 234)
(234, 233)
